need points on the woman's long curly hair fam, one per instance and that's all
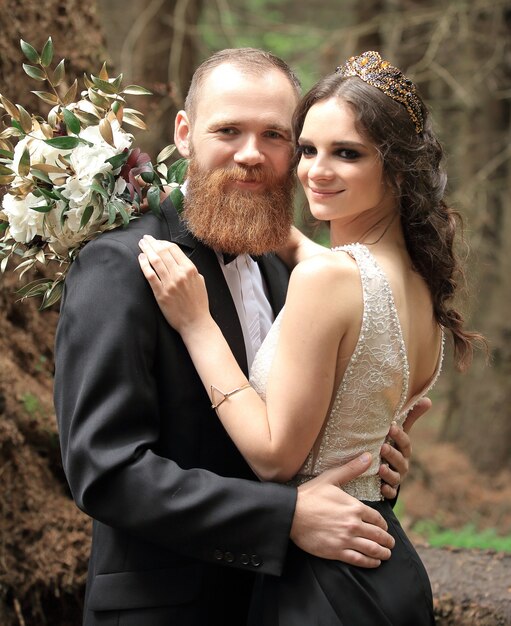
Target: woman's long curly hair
(412, 167)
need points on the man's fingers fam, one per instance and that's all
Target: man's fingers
(341, 475)
(422, 406)
(360, 560)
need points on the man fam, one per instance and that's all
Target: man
(180, 523)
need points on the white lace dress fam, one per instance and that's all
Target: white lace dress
(373, 393)
(374, 388)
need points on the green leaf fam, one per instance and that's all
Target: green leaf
(53, 294)
(105, 130)
(24, 164)
(70, 93)
(133, 120)
(5, 171)
(47, 97)
(177, 172)
(51, 194)
(30, 52)
(9, 107)
(63, 143)
(99, 189)
(136, 90)
(153, 200)
(177, 198)
(165, 153)
(104, 85)
(116, 82)
(147, 177)
(45, 208)
(103, 72)
(86, 118)
(86, 215)
(59, 73)
(120, 207)
(25, 119)
(47, 53)
(17, 125)
(112, 212)
(34, 288)
(34, 72)
(41, 176)
(71, 121)
(97, 99)
(118, 159)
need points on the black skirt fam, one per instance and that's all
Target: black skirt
(319, 592)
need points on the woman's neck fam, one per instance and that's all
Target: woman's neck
(366, 229)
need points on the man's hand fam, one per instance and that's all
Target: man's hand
(398, 456)
(331, 524)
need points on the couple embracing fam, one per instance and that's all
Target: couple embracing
(235, 453)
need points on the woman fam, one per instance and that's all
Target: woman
(359, 339)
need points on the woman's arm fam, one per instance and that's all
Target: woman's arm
(297, 248)
(274, 438)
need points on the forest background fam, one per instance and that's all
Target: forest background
(459, 53)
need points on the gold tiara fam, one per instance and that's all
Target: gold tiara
(370, 67)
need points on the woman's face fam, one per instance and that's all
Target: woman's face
(340, 169)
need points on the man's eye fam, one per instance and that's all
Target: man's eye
(274, 134)
(227, 131)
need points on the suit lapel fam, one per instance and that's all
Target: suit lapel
(221, 303)
(276, 277)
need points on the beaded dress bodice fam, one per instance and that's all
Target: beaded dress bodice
(374, 388)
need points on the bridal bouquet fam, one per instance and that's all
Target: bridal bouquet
(75, 174)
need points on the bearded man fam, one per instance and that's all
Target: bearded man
(181, 525)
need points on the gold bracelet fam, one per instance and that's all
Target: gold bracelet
(226, 395)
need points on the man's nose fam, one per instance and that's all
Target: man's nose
(249, 152)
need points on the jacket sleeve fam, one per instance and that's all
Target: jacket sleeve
(107, 408)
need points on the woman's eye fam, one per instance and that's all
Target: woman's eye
(349, 155)
(306, 151)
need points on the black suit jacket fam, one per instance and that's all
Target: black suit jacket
(180, 521)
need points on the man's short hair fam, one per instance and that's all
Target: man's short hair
(250, 60)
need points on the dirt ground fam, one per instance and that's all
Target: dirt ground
(45, 539)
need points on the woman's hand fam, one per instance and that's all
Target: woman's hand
(178, 287)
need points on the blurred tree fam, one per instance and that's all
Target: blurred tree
(459, 52)
(154, 44)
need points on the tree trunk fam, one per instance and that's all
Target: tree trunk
(154, 44)
(479, 418)
(45, 538)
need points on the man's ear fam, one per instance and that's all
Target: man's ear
(182, 132)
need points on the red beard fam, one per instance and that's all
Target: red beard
(238, 221)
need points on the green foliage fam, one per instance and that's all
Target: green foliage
(466, 537)
(32, 405)
(264, 24)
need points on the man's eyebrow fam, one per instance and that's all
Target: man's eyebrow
(222, 122)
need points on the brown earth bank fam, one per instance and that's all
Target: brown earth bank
(45, 539)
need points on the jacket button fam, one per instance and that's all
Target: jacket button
(229, 557)
(256, 560)
(219, 555)
(245, 559)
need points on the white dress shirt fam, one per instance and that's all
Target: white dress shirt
(247, 288)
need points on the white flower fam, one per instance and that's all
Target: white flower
(40, 152)
(24, 223)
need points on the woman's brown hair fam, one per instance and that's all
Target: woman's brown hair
(412, 167)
